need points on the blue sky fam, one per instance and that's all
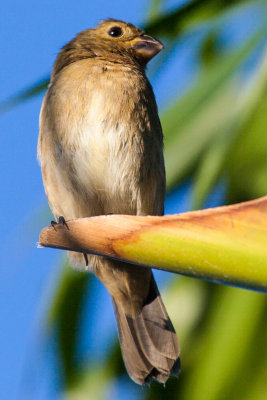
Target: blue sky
(32, 33)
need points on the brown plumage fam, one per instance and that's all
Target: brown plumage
(101, 151)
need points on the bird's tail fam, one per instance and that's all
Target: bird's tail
(148, 341)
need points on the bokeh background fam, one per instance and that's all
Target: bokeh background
(58, 337)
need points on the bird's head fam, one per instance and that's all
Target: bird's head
(113, 40)
(118, 37)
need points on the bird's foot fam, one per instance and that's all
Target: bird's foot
(61, 221)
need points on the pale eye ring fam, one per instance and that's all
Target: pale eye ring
(115, 31)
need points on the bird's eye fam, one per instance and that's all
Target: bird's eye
(116, 31)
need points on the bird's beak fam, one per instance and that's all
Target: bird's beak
(146, 47)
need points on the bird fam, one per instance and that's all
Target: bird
(100, 148)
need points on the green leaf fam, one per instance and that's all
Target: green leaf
(154, 10)
(247, 166)
(192, 121)
(221, 149)
(94, 380)
(209, 171)
(224, 345)
(64, 315)
(26, 94)
(188, 15)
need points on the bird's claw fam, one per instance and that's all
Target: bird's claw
(53, 224)
(61, 221)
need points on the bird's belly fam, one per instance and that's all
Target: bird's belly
(97, 174)
(108, 166)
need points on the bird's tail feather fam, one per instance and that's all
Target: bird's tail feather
(148, 341)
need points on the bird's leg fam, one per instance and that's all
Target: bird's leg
(61, 221)
(86, 259)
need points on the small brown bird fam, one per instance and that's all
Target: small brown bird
(101, 151)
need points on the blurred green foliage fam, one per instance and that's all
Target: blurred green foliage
(215, 130)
